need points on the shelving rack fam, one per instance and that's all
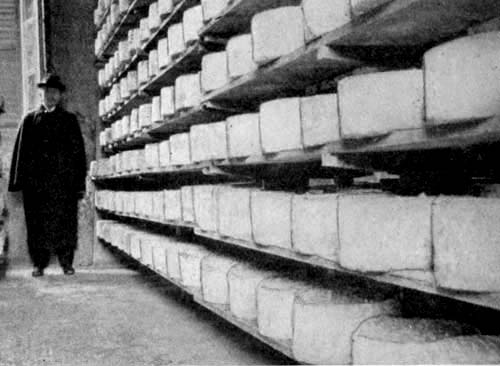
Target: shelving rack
(392, 36)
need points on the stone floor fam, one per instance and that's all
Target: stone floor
(113, 317)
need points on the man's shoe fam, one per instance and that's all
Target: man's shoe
(69, 271)
(37, 272)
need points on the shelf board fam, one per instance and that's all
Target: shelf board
(189, 61)
(134, 101)
(183, 120)
(149, 219)
(236, 17)
(388, 28)
(139, 140)
(121, 29)
(196, 169)
(489, 300)
(284, 347)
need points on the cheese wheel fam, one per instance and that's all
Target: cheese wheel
(156, 110)
(126, 126)
(167, 101)
(124, 90)
(192, 21)
(114, 13)
(379, 103)
(173, 205)
(187, 91)
(239, 51)
(190, 257)
(214, 74)
(163, 55)
(175, 36)
(145, 33)
(159, 255)
(360, 7)
(381, 233)
(322, 16)
(154, 68)
(147, 243)
(243, 282)
(132, 81)
(135, 246)
(212, 8)
(234, 213)
(187, 199)
(314, 225)
(143, 72)
(159, 205)
(280, 125)
(180, 149)
(199, 143)
(324, 320)
(152, 156)
(165, 7)
(390, 340)
(465, 237)
(461, 79)
(145, 115)
(205, 207)
(164, 153)
(132, 50)
(134, 120)
(172, 251)
(217, 140)
(123, 51)
(153, 17)
(277, 32)
(271, 218)
(214, 282)
(123, 6)
(320, 119)
(243, 135)
(275, 299)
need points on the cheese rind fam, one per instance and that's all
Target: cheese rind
(314, 225)
(234, 213)
(187, 91)
(461, 79)
(192, 21)
(167, 95)
(271, 218)
(465, 236)
(320, 119)
(176, 40)
(180, 149)
(214, 271)
(164, 153)
(381, 233)
(239, 51)
(173, 205)
(190, 257)
(187, 196)
(277, 32)
(205, 207)
(280, 125)
(214, 74)
(379, 103)
(322, 16)
(243, 135)
(212, 8)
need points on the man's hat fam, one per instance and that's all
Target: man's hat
(52, 81)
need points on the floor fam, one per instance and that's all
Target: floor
(114, 317)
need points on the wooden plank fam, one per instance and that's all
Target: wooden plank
(182, 121)
(148, 219)
(236, 18)
(133, 102)
(489, 300)
(476, 132)
(189, 61)
(192, 169)
(132, 142)
(248, 327)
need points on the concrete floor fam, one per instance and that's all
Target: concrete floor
(113, 317)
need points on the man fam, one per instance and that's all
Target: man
(49, 167)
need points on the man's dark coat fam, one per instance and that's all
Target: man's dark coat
(49, 167)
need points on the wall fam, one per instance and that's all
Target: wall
(10, 89)
(70, 37)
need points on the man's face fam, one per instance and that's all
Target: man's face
(50, 96)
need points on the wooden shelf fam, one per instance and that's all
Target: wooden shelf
(138, 140)
(489, 300)
(284, 347)
(189, 61)
(135, 11)
(196, 169)
(236, 18)
(374, 38)
(134, 101)
(149, 219)
(183, 120)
